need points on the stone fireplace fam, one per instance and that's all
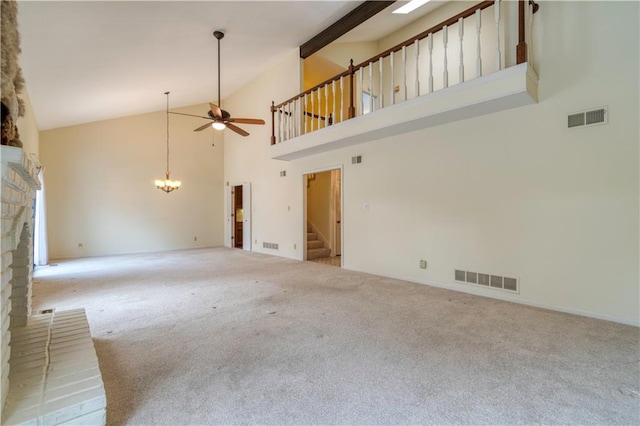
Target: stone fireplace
(17, 194)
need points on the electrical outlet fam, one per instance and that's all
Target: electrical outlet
(80, 245)
(195, 238)
(423, 264)
(295, 246)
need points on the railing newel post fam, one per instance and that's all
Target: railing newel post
(273, 123)
(352, 109)
(521, 48)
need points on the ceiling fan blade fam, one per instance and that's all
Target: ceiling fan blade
(237, 129)
(216, 110)
(202, 127)
(247, 120)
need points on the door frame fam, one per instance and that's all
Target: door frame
(303, 179)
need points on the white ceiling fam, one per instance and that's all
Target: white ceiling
(92, 60)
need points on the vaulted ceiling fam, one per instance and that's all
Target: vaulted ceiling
(92, 60)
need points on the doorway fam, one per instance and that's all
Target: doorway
(323, 216)
(239, 216)
(238, 213)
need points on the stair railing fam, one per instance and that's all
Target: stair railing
(415, 67)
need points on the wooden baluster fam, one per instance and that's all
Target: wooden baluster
(371, 86)
(333, 91)
(279, 124)
(380, 91)
(360, 90)
(289, 115)
(479, 41)
(445, 41)
(404, 72)
(430, 47)
(319, 112)
(298, 128)
(461, 36)
(313, 107)
(292, 117)
(393, 83)
(291, 135)
(304, 115)
(342, 99)
(416, 44)
(284, 122)
(326, 105)
(497, 18)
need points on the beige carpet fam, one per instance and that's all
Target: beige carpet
(222, 336)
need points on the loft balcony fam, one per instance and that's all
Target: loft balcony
(455, 70)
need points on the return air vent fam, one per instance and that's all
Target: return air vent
(273, 246)
(588, 118)
(487, 280)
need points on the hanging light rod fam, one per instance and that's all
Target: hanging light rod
(167, 185)
(218, 125)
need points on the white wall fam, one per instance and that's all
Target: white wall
(276, 201)
(514, 193)
(100, 189)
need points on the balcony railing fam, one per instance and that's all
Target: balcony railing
(463, 47)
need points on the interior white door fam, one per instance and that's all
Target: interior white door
(246, 225)
(228, 224)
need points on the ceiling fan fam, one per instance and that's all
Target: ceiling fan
(219, 117)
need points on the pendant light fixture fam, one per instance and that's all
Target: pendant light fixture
(167, 185)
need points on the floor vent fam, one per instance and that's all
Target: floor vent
(270, 245)
(488, 280)
(588, 118)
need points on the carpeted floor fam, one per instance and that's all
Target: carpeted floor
(222, 336)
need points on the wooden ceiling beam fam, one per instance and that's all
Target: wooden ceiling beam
(357, 16)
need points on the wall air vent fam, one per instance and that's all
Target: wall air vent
(273, 246)
(356, 160)
(588, 118)
(487, 280)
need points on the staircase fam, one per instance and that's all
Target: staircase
(315, 247)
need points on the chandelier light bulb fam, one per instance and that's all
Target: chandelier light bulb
(218, 125)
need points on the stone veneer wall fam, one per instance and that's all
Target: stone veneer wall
(17, 194)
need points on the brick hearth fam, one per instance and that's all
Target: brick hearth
(48, 365)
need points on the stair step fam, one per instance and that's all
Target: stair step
(309, 228)
(318, 253)
(312, 236)
(314, 244)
